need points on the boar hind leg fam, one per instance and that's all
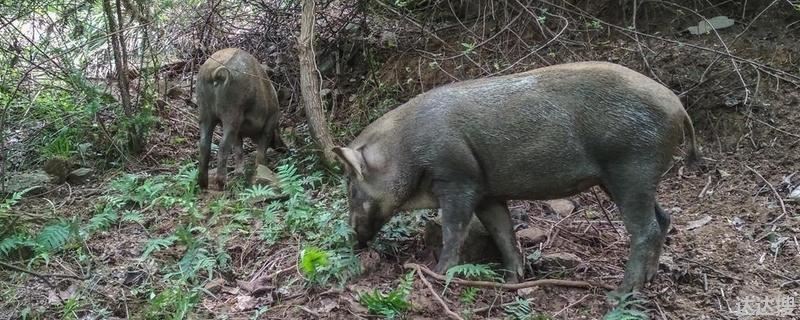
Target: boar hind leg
(635, 197)
(495, 217)
(238, 153)
(206, 131)
(229, 136)
(457, 207)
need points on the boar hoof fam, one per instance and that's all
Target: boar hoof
(220, 182)
(202, 181)
(511, 277)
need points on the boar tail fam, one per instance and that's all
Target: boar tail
(217, 75)
(693, 158)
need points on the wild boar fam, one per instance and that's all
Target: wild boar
(235, 91)
(543, 134)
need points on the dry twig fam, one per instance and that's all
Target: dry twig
(42, 276)
(436, 296)
(775, 192)
(510, 286)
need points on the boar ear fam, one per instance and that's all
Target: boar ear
(352, 160)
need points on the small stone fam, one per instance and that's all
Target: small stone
(795, 194)
(561, 207)
(35, 182)
(532, 236)
(80, 175)
(559, 260)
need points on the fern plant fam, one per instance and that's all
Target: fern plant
(157, 244)
(390, 305)
(521, 309)
(627, 308)
(173, 303)
(313, 261)
(53, 237)
(472, 272)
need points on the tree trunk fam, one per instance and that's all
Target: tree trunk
(309, 85)
(134, 134)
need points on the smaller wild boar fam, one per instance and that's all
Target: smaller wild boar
(235, 91)
(543, 134)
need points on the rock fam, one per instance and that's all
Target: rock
(795, 194)
(58, 168)
(35, 182)
(561, 207)
(532, 236)
(80, 175)
(478, 246)
(559, 260)
(265, 176)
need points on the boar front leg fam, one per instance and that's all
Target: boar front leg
(207, 125)
(457, 205)
(229, 135)
(496, 219)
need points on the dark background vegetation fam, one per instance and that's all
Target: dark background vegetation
(128, 235)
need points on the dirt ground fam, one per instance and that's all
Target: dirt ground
(734, 234)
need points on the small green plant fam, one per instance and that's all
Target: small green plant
(313, 261)
(594, 24)
(521, 309)
(468, 47)
(469, 295)
(172, 303)
(62, 145)
(627, 308)
(390, 305)
(542, 18)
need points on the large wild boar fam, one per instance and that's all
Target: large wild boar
(547, 133)
(235, 91)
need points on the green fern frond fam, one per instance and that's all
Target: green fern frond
(255, 192)
(627, 308)
(520, 309)
(102, 220)
(390, 305)
(53, 237)
(157, 244)
(312, 260)
(469, 295)
(132, 216)
(12, 243)
(473, 272)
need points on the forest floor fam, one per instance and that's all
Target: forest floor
(734, 235)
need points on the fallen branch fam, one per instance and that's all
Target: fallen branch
(42, 276)
(774, 191)
(436, 296)
(510, 286)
